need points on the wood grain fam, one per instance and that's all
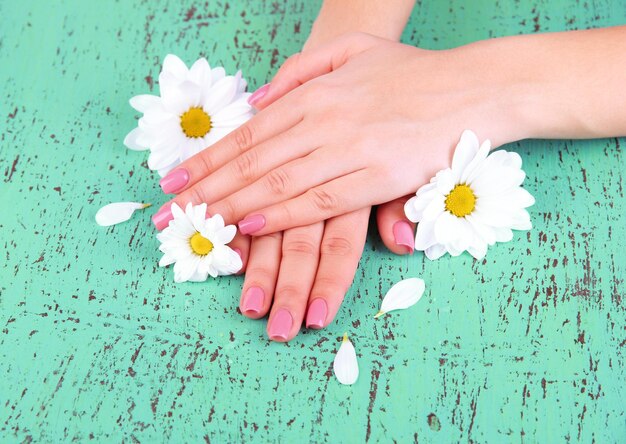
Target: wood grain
(98, 343)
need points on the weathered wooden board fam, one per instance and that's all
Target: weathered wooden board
(98, 342)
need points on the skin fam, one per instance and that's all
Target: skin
(345, 125)
(333, 121)
(319, 261)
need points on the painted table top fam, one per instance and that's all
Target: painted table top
(97, 341)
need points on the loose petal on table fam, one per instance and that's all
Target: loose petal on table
(115, 213)
(345, 366)
(402, 295)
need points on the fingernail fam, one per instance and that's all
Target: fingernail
(280, 326)
(403, 235)
(258, 94)
(316, 315)
(174, 181)
(251, 224)
(162, 217)
(253, 300)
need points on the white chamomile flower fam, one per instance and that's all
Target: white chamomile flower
(197, 245)
(196, 108)
(473, 204)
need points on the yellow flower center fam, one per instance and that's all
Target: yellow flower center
(195, 122)
(461, 201)
(200, 244)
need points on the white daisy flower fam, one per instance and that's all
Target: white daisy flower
(473, 204)
(197, 245)
(196, 108)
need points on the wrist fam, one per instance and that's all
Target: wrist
(339, 17)
(518, 91)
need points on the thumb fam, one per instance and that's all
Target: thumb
(396, 231)
(307, 65)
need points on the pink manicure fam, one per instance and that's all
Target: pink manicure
(280, 326)
(253, 300)
(258, 94)
(162, 218)
(251, 224)
(403, 235)
(174, 181)
(316, 315)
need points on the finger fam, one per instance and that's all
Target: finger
(261, 275)
(302, 67)
(341, 249)
(282, 183)
(301, 250)
(247, 168)
(396, 231)
(274, 120)
(331, 199)
(241, 245)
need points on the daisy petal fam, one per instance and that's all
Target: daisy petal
(226, 234)
(226, 260)
(464, 152)
(115, 213)
(145, 102)
(175, 66)
(403, 294)
(131, 140)
(425, 235)
(345, 365)
(221, 94)
(435, 252)
(445, 181)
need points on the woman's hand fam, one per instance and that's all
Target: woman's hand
(358, 122)
(304, 273)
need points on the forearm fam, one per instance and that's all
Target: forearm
(374, 17)
(564, 85)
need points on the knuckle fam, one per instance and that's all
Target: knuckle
(197, 195)
(260, 275)
(290, 292)
(323, 200)
(207, 162)
(337, 246)
(333, 285)
(243, 138)
(228, 209)
(312, 92)
(301, 246)
(246, 166)
(277, 181)
(291, 62)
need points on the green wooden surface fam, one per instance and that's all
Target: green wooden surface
(97, 342)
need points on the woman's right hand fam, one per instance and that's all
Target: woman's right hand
(358, 122)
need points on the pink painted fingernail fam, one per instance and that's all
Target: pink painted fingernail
(316, 315)
(251, 224)
(174, 181)
(162, 217)
(278, 329)
(403, 235)
(253, 300)
(258, 94)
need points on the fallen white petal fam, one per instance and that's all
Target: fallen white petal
(115, 213)
(402, 295)
(345, 366)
